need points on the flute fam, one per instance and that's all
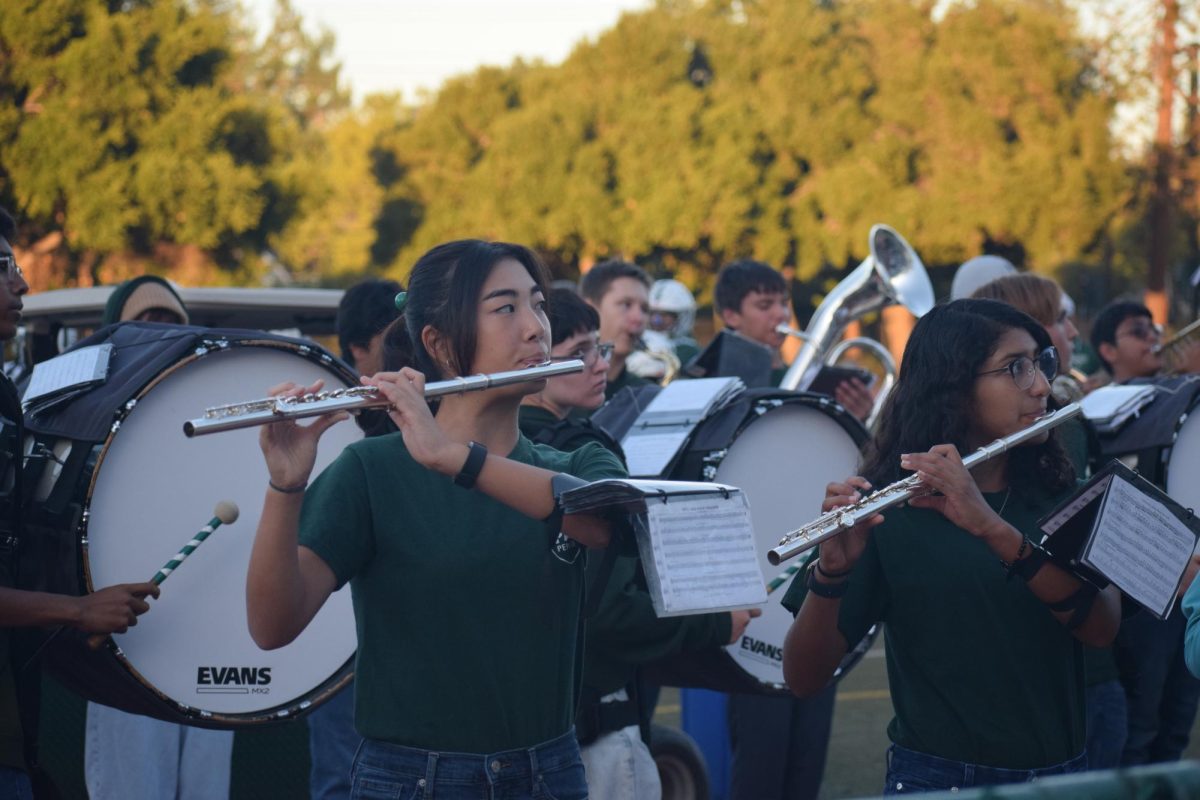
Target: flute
(356, 398)
(836, 520)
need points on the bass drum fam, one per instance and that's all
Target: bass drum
(781, 448)
(1163, 441)
(118, 507)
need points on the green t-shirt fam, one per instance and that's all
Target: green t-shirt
(624, 632)
(979, 669)
(466, 610)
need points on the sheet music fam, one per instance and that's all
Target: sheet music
(648, 454)
(699, 555)
(692, 395)
(1140, 546)
(77, 368)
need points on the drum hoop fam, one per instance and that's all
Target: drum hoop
(1166, 452)
(204, 348)
(711, 461)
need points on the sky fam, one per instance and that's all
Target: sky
(415, 45)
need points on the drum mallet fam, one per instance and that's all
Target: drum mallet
(226, 513)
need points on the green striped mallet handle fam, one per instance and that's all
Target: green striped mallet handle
(783, 577)
(226, 513)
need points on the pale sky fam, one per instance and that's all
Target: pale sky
(410, 45)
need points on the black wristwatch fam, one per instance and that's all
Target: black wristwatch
(476, 455)
(830, 591)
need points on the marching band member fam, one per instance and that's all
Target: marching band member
(619, 291)
(983, 633)
(1043, 299)
(623, 632)
(1161, 694)
(364, 314)
(467, 597)
(779, 744)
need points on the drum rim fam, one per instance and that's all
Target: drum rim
(207, 347)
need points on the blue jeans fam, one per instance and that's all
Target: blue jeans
(1106, 724)
(332, 743)
(910, 772)
(14, 783)
(1161, 693)
(552, 770)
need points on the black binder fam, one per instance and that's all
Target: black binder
(1071, 530)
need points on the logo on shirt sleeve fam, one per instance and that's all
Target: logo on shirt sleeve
(566, 549)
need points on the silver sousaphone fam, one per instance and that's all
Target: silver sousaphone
(891, 274)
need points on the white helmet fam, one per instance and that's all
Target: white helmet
(978, 271)
(673, 297)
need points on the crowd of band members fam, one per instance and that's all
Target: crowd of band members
(560, 705)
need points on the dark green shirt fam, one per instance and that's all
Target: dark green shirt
(624, 632)
(12, 750)
(467, 613)
(626, 378)
(979, 669)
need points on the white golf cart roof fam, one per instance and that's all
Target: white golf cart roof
(311, 311)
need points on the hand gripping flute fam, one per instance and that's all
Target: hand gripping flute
(833, 522)
(356, 398)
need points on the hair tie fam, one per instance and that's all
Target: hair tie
(401, 301)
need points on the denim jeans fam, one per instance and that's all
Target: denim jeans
(1161, 693)
(332, 743)
(1106, 724)
(552, 770)
(910, 772)
(14, 783)
(132, 757)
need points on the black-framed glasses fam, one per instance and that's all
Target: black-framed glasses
(10, 268)
(589, 353)
(1024, 368)
(1143, 330)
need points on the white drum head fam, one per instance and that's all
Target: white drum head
(782, 461)
(1183, 469)
(155, 488)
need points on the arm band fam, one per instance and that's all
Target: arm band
(1028, 567)
(1079, 603)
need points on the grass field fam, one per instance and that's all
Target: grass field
(855, 767)
(272, 762)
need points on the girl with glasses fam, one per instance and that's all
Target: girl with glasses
(1042, 299)
(467, 585)
(983, 633)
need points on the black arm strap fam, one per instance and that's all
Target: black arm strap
(1079, 603)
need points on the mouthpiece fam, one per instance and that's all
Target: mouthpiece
(226, 511)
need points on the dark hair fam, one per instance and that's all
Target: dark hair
(365, 310)
(570, 314)
(443, 292)
(739, 278)
(931, 402)
(1104, 329)
(8, 225)
(596, 280)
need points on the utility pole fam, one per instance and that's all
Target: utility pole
(1161, 195)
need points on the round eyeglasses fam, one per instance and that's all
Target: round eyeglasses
(588, 354)
(1024, 368)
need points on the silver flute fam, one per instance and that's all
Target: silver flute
(836, 520)
(356, 398)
